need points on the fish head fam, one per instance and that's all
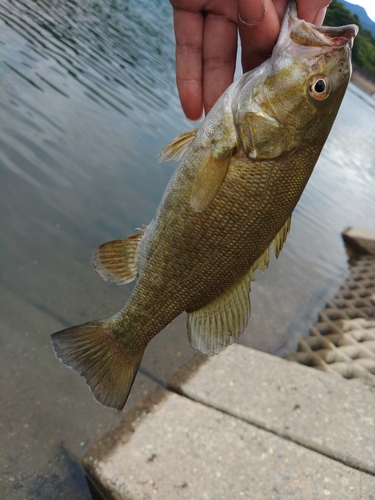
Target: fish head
(296, 94)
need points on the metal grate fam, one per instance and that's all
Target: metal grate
(343, 340)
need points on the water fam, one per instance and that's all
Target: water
(88, 99)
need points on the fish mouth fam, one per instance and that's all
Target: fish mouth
(308, 34)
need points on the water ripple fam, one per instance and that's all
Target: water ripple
(121, 52)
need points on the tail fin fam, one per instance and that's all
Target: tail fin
(94, 352)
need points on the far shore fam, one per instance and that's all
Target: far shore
(363, 80)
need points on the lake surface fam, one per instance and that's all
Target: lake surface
(87, 100)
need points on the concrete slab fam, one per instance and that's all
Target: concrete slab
(178, 448)
(362, 240)
(315, 409)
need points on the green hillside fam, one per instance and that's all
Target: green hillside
(364, 45)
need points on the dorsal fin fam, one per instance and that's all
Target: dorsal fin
(175, 150)
(218, 324)
(116, 261)
(262, 262)
(280, 238)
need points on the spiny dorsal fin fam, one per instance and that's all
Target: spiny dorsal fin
(262, 262)
(280, 238)
(116, 261)
(277, 243)
(176, 149)
(208, 180)
(218, 324)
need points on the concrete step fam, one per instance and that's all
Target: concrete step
(325, 413)
(183, 449)
(245, 425)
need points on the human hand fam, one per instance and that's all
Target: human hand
(206, 42)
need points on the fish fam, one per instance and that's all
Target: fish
(231, 197)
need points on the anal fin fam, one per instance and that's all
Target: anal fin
(116, 261)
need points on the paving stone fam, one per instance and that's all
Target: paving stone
(362, 240)
(315, 409)
(178, 448)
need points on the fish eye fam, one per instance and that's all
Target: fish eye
(320, 87)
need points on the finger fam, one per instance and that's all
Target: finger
(280, 7)
(189, 75)
(312, 11)
(219, 57)
(319, 18)
(259, 27)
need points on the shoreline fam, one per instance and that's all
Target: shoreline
(363, 81)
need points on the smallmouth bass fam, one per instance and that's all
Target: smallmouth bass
(240, 176)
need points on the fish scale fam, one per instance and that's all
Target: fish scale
(240, 176)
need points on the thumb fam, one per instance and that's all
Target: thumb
(312, 12)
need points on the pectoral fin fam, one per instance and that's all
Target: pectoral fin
(176, 149)
(209, 178)
(116, 261)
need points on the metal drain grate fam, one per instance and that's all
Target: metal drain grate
(343, 340)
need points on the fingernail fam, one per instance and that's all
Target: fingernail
(251, 16)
